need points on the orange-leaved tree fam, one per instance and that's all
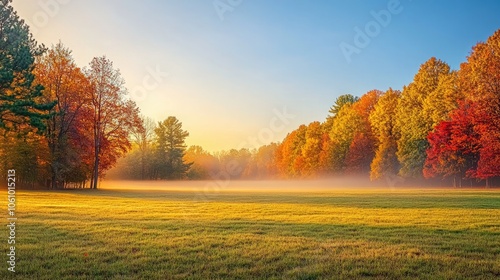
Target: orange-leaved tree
(65, 84)
(113, 116)
(479, 80)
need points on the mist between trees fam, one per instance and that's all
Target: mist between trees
(63, 126)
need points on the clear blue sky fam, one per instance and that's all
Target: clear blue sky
(227, 75)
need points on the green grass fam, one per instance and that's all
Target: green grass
(113, 234)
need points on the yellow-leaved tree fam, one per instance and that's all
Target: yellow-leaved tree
(382, 120)
(411, 121)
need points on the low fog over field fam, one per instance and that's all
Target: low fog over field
(215, 186)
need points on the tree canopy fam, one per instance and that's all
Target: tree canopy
(20, 101)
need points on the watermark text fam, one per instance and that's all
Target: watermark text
(11, 225)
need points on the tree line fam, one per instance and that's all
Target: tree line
(444, 126)
(66, 126)
(62, 125)
(198, 163)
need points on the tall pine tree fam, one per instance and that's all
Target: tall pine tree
(19, 94)
(170, 149)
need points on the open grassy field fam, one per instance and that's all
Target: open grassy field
(337, 234)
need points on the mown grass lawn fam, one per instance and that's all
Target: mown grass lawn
(125, 234)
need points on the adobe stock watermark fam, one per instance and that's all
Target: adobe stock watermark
(11, 200)
(48, 9)
(363, 36)
(221, 180)
(223, 6)
(151, 81)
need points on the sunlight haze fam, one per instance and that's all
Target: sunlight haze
(224, 75)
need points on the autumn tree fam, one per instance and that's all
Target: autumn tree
(310, 151)
(489, 154)
(361, 150)
(305, 152)
(65, 84)
(479, 80)
(113, 117)
(170, 149)
(479, 76)
(345, 127)
(411, 122)
(442, 100)
(454, 146)
(289, 158)
(382, 121)
(468, 144)
(351, 120)
(326, 152)
(360, 154)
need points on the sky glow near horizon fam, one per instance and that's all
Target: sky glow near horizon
(247, 75)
